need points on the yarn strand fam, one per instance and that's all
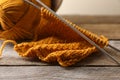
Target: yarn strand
(4, 44)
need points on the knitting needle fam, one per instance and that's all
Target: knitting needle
(74, 29)
(114, 48)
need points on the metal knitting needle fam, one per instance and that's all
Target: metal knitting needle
(74, 29)
(114, 48)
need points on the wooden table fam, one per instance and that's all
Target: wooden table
(95, 67)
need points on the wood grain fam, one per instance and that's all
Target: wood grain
(87, 19)
(112, 31)
(104, 25)
(59, 73)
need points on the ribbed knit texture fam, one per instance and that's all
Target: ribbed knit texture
(50, 39)
(56, 42)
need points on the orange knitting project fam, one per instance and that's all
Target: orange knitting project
(51, 40)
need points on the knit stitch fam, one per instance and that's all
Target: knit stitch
(56, 42)
(50, 39)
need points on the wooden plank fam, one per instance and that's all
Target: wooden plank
(59, 73)
(105, 25)
(10, 57)
(112, 31)
(84, 19)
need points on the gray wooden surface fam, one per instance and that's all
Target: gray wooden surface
(58, 73)
(95, 67)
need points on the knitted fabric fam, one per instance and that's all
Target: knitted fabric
(56, 42)
(51, 40)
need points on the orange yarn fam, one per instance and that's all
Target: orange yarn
(17, 21)
(56, 42)
(51, 40)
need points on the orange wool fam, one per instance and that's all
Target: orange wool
(56, 42)
(19, 19)
(51, 40)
